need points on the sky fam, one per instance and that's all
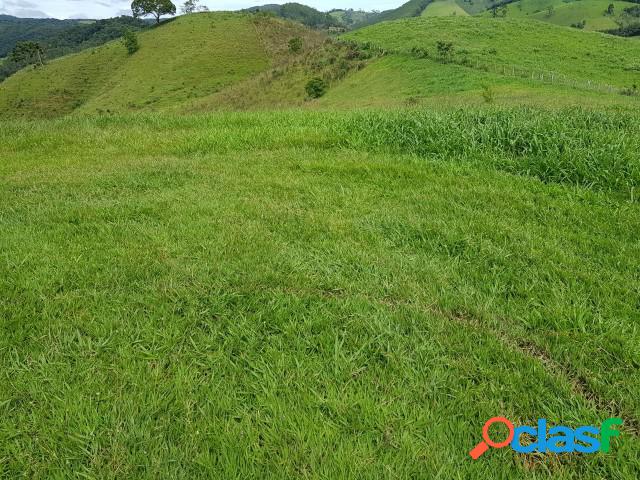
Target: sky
(109, 8)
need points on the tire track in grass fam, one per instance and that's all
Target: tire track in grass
(579, 384)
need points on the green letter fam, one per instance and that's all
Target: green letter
(607, 432)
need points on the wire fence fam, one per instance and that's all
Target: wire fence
(543, 76)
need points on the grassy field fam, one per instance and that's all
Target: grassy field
(316, 295)
(403, 80)
(569, 13)
(443, 8)
(223, 61)
(305, 291)
(580, 55)
(189, 58)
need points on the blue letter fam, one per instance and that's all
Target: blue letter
(592, 444)
(515, 443)
(542, 435)
(566, 439)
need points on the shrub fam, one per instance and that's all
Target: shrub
(419, 52)
(316, 87)
(487, 94)
(130, 40)
(445, 51)
(295, 45)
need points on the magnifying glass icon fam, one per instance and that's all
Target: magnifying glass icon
(484, 446)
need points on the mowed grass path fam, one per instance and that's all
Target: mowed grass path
(249, 296)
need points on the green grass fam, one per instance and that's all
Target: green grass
(412, 8)
(443, 8)
(576, 54)
(318, 295)
(569, 13)
(225, 61)
(189, 58)
(403, 80)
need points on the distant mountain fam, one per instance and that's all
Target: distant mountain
(299, 13)
(14, 30)
(413, 8)
(351, 18)
(59, 37)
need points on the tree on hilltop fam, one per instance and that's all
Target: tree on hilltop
(191, 6)
(157, 8)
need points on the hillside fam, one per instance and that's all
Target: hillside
(579, 55)
(193, 56)
(216, 61)
(74, 36)
(497, 61)
(299, 13)
(412, 8)
(350, 17)
(443, 8)
(584, 14)
(14, 30)
(568, 13)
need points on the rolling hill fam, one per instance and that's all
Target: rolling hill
(443, 8)
(498, 61)
(193, 56)
(412, 8)
(594, 13)
(567, 13)
(299, 13)
(215, 61)
(13, 30)
(58, 38)
(580, 55)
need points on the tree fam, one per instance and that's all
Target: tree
(130, 40)
(27, 53)
(550, 10)
(190, 6)
(610, 9)
(157, 8)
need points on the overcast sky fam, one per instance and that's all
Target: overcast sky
(110, 8)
